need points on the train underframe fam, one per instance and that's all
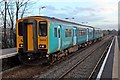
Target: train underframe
(42, 57)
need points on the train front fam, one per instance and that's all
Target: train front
(32, 39)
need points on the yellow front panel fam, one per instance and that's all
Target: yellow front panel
(19, 39)
(30, 36)
(30, 42)
(43, 40)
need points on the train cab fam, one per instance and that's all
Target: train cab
(32, 38)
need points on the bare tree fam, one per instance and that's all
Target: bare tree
(3, 14)
(19, 5)
(11, 16)
(12, 10)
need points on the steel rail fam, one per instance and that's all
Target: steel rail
(79, 62)
(106, 49)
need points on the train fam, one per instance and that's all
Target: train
(47, 39)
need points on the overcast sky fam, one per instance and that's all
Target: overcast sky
(98, 13)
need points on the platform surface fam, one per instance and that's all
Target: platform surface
(5, 53)
(111, 69)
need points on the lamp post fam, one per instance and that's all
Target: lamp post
(41, 8)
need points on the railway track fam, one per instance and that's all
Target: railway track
(97, 66)
(83, 59)
(20, 70)
(24, 71)
(64, 67)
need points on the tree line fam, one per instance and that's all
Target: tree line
(10, 12)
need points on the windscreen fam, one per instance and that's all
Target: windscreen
(43, 28)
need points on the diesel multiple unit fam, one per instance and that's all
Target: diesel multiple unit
(48, 38)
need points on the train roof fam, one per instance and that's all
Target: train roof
(56, 20)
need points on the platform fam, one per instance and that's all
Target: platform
(5, 53)
(110, 68)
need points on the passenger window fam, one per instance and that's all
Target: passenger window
(20, 29)
(55, 32)
(82, 32)
(68, 33)
(43, 28)
(90, 32)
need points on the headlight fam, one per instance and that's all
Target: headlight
(42, 46)
(20, 45)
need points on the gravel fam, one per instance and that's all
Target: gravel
(59, 69)
(53, 72)
(23, 71)
(84, 70)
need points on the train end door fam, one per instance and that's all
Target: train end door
(74, 36)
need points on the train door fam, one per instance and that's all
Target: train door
(30, 37)
(74, 36)
(93, 33)
(87, 34)
(59, 38)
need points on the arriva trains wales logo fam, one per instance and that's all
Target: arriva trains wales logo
(66, 43)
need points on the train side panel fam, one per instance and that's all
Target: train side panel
(90, 34)
(97, 33)
(53, 37)
(66, 36)
(81, 35)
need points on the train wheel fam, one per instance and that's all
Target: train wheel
(66, 52)
(53, 58)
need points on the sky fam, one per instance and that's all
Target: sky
(96, 13)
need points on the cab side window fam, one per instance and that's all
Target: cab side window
(55, 32)
(20, 29)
